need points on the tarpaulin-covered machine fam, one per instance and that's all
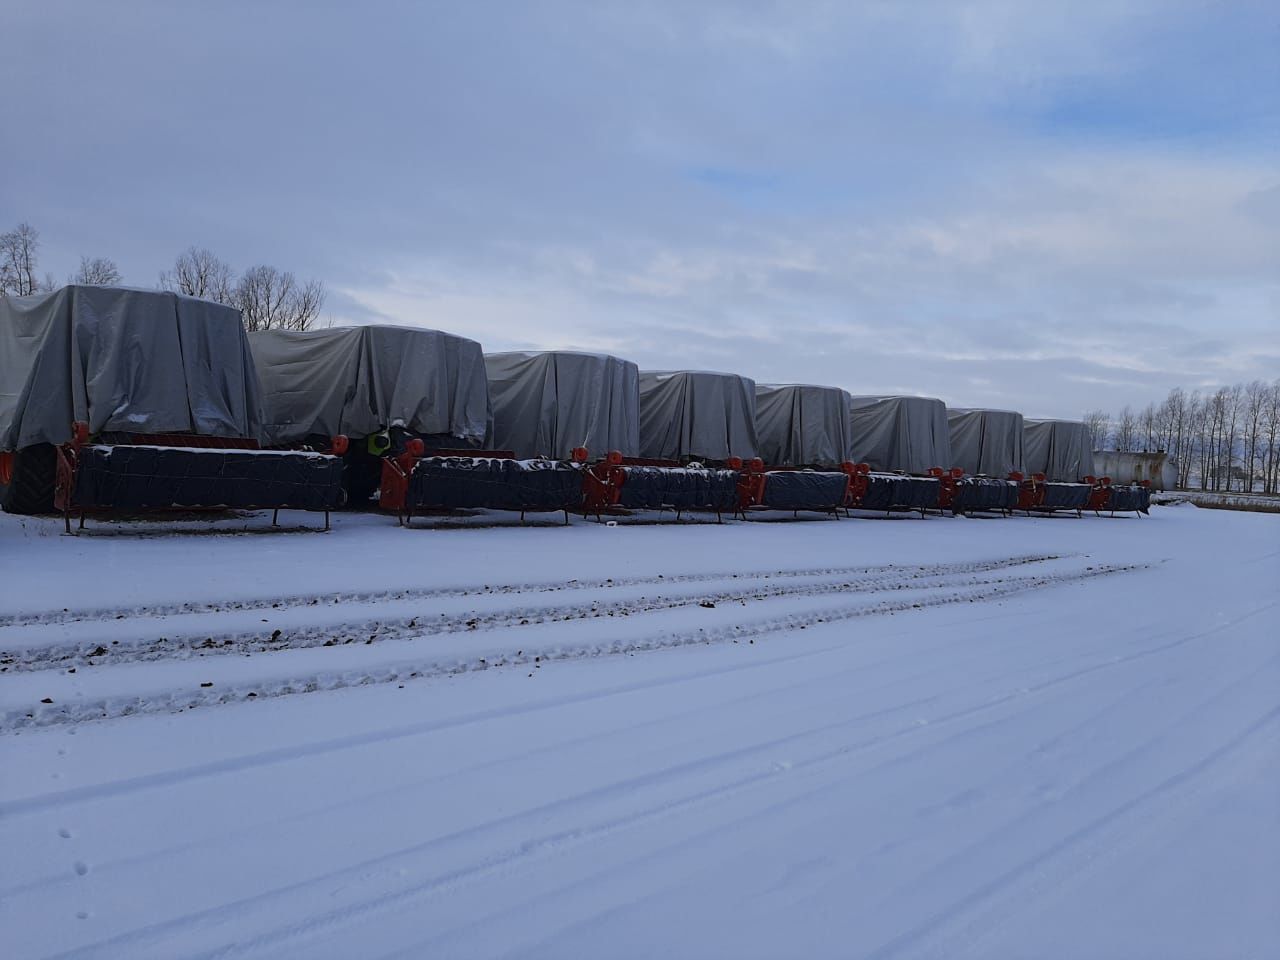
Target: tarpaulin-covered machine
(378, 385)
(548, 410)
(548, 404)
(986, 443)
(1113, 498)
(1062, 450)
(894, 491)
(494, 483)
(801, 425)
(984, 495)
(803, 461)
(697, 415)
(114, 398)
(899, 434)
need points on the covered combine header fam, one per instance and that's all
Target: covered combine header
(697, 415)
(800, 425)
(549, 404)
(113, 398)
(986, 443)
(362, 381)
(1062, 450)
(899, 434)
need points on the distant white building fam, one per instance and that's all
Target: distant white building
(1136, 467)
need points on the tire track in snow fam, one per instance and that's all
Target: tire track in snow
(99, 653)
(235, 764)
(146, 941)
(114, 707)
(951, 932)
(140, 611)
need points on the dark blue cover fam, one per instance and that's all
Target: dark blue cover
(893, 491)
(804, 490)
(447, 483)
(145, 477)
(985, 493)
(1066, 496)
(1129, 498)
(681, 488)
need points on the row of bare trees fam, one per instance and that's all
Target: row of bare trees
(19, 265)
(1228, 439)
(266, 297)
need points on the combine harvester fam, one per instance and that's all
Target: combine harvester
(803, 461)
(987, 446)
(902, 446)
(1058, 455)
(121, 400)
(548, 410)
(383, 387)
(696, 428)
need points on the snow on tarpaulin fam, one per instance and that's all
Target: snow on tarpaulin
(545, 404)
(362, 380)
(899, 433)
(801, 425)
(697, 415)
(1060, 449)
(123, 360)
(986, 443)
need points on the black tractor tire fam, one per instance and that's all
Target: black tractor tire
(361, 477)
(35, 473)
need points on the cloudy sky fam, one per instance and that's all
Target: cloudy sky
(1045, 206)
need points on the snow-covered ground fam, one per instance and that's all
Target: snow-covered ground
(1049, 737)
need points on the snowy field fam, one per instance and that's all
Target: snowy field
(1050, 737)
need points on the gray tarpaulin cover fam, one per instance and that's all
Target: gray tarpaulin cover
(986, 442)
(695, 414)
(122, 360)
(545, 404)
(800, 425)
(360, 380)
(899, 433)
(1060, 449)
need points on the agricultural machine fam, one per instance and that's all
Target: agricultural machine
(381, 386)
(132, 400)
(1118, 498)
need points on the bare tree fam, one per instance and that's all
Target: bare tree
(97, 272)
(18, 260)
(1255, 407)
(199, 273)
(1272, 470)
(270, 299)
(1099, 424)
(1126, 431)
